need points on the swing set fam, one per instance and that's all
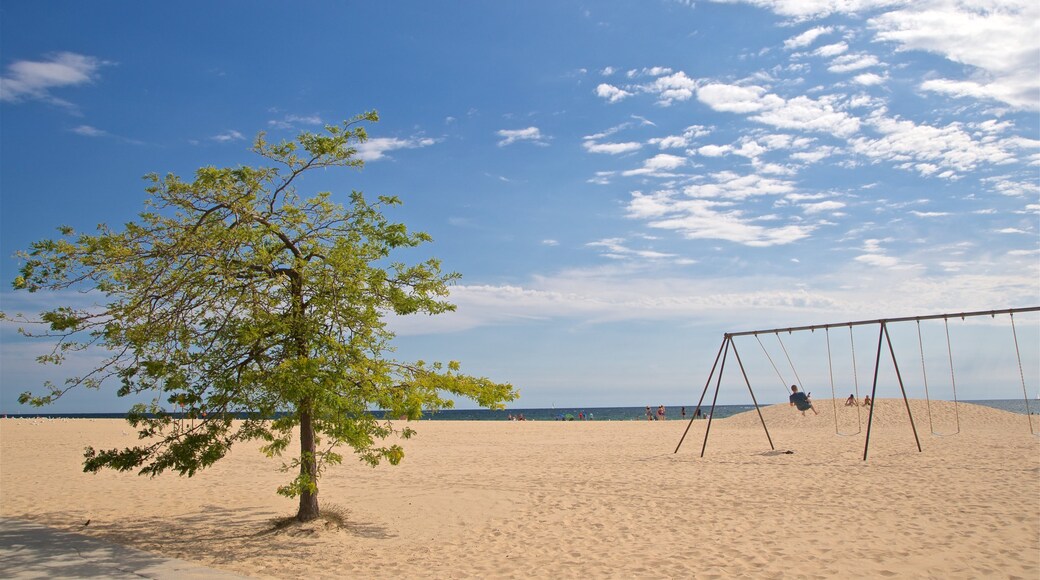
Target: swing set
(884, 337)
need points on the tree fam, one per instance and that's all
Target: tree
(232, 296)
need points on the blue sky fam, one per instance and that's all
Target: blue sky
(618, 182)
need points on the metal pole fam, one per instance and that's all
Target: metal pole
(886, 320)
(727, 341)
(753, 400)
(704, 392)
(873, 391)
(899, 378)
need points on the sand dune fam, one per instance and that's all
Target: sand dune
(593, 499)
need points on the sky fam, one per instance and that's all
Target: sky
(619, 183)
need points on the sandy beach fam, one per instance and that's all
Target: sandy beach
(596, 499)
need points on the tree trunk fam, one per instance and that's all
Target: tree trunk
(308, 466)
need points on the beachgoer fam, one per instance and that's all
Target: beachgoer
(851, 401)
(684, 413)
(660, 413)
(866, 401)
(801, 400)
(697, 412)
(649, 414)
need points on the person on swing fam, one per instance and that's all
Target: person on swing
(801, 401)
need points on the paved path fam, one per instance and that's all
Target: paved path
(29, 550)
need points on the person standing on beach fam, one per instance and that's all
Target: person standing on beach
(660, 413)
(684, 413)
(801, 401)
(649, 414)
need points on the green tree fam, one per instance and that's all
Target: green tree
(232, 295)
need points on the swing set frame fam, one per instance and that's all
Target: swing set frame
(883, 337)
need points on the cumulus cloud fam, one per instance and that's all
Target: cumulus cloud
(658, 165)
(998, 38)
(674, 87)
(611, 148)
(226, 136)
(808, 114)
(611, 93)
(681, 141)
(736, 99)
(830, 50)
(853, 62)
(531, 134)
(869, 79)
(709, 219)
(377, 148)
(801, 113)
(291, 121)
(730, 185)
(34, 80)
(822, 206)
(807, 38)
(948, 150)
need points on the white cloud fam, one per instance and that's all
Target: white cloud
(999, 38)
(680, 141)
(736, 99)
(714, 150)
(670, 142)
(802, 113)
(611, 148)
(510, 136)
(814, 9)
(707, 219)
(230, 135)
(878, 260)
(830, 50)
(729, 185)
(1013, 187)
(869, 79)
(34, 80)
(675, 87)
(655, 71)
(291, 121)
(615, 249)
(88, 131)
(611, 93)
(823, 206)
(376, 148)
(659, 165)
(852, 62)
(929, 214)
(807, 114)
(806, 38)
(928, 149)
(814, 155)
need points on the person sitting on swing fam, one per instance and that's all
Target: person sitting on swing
(851, 401)
(801, 401)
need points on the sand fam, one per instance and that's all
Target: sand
(592, 499)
